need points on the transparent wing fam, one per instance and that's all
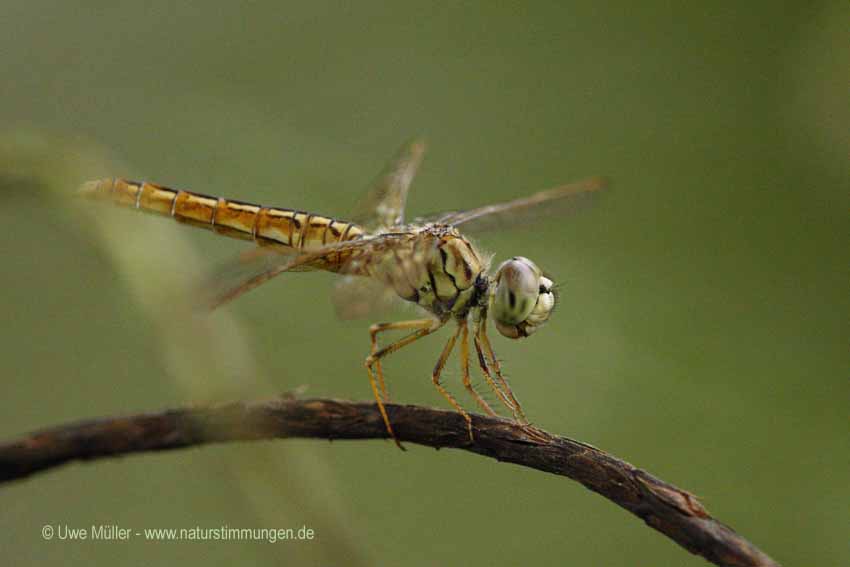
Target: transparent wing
(355, 297)
(247, 271)
(383, 206)
(523, 211)
(391, 264)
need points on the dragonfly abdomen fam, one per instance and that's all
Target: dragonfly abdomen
(237, 219)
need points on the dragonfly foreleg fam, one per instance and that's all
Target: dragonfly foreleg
(464, 368)
(486, 360)
(424, 328)
(435, 377)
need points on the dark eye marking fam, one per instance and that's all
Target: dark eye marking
(524, 306)
(543, 289)
(511, 299)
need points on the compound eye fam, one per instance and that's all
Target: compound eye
(517, 289)
(523, 298)
(510, 331)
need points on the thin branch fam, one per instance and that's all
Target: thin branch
(670, 510)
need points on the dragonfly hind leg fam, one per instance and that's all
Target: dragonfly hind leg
(424, 327)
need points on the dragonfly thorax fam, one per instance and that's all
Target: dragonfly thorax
(445, 274)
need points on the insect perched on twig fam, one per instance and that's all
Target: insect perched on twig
(427, 262)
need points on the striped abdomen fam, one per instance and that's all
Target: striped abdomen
(264, 225)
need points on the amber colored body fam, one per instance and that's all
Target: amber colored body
(438, 266)
(431, 264)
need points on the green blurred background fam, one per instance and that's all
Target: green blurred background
(703, 329)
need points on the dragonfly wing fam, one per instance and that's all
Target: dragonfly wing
(384, 205)
(390, 264)
(249, 270)
(523, 211)
(355, 297)
(394, 265)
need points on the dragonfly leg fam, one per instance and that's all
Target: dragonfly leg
(488, 376)
(424, 328)
(485, 367)
(464, 368)
(379, 371)
(481, 340)
(378, 328)
(435, 377)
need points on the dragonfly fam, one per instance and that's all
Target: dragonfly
(378, 255)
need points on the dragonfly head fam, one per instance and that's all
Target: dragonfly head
(522, 298)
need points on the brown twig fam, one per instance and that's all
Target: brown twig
(668, 509)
